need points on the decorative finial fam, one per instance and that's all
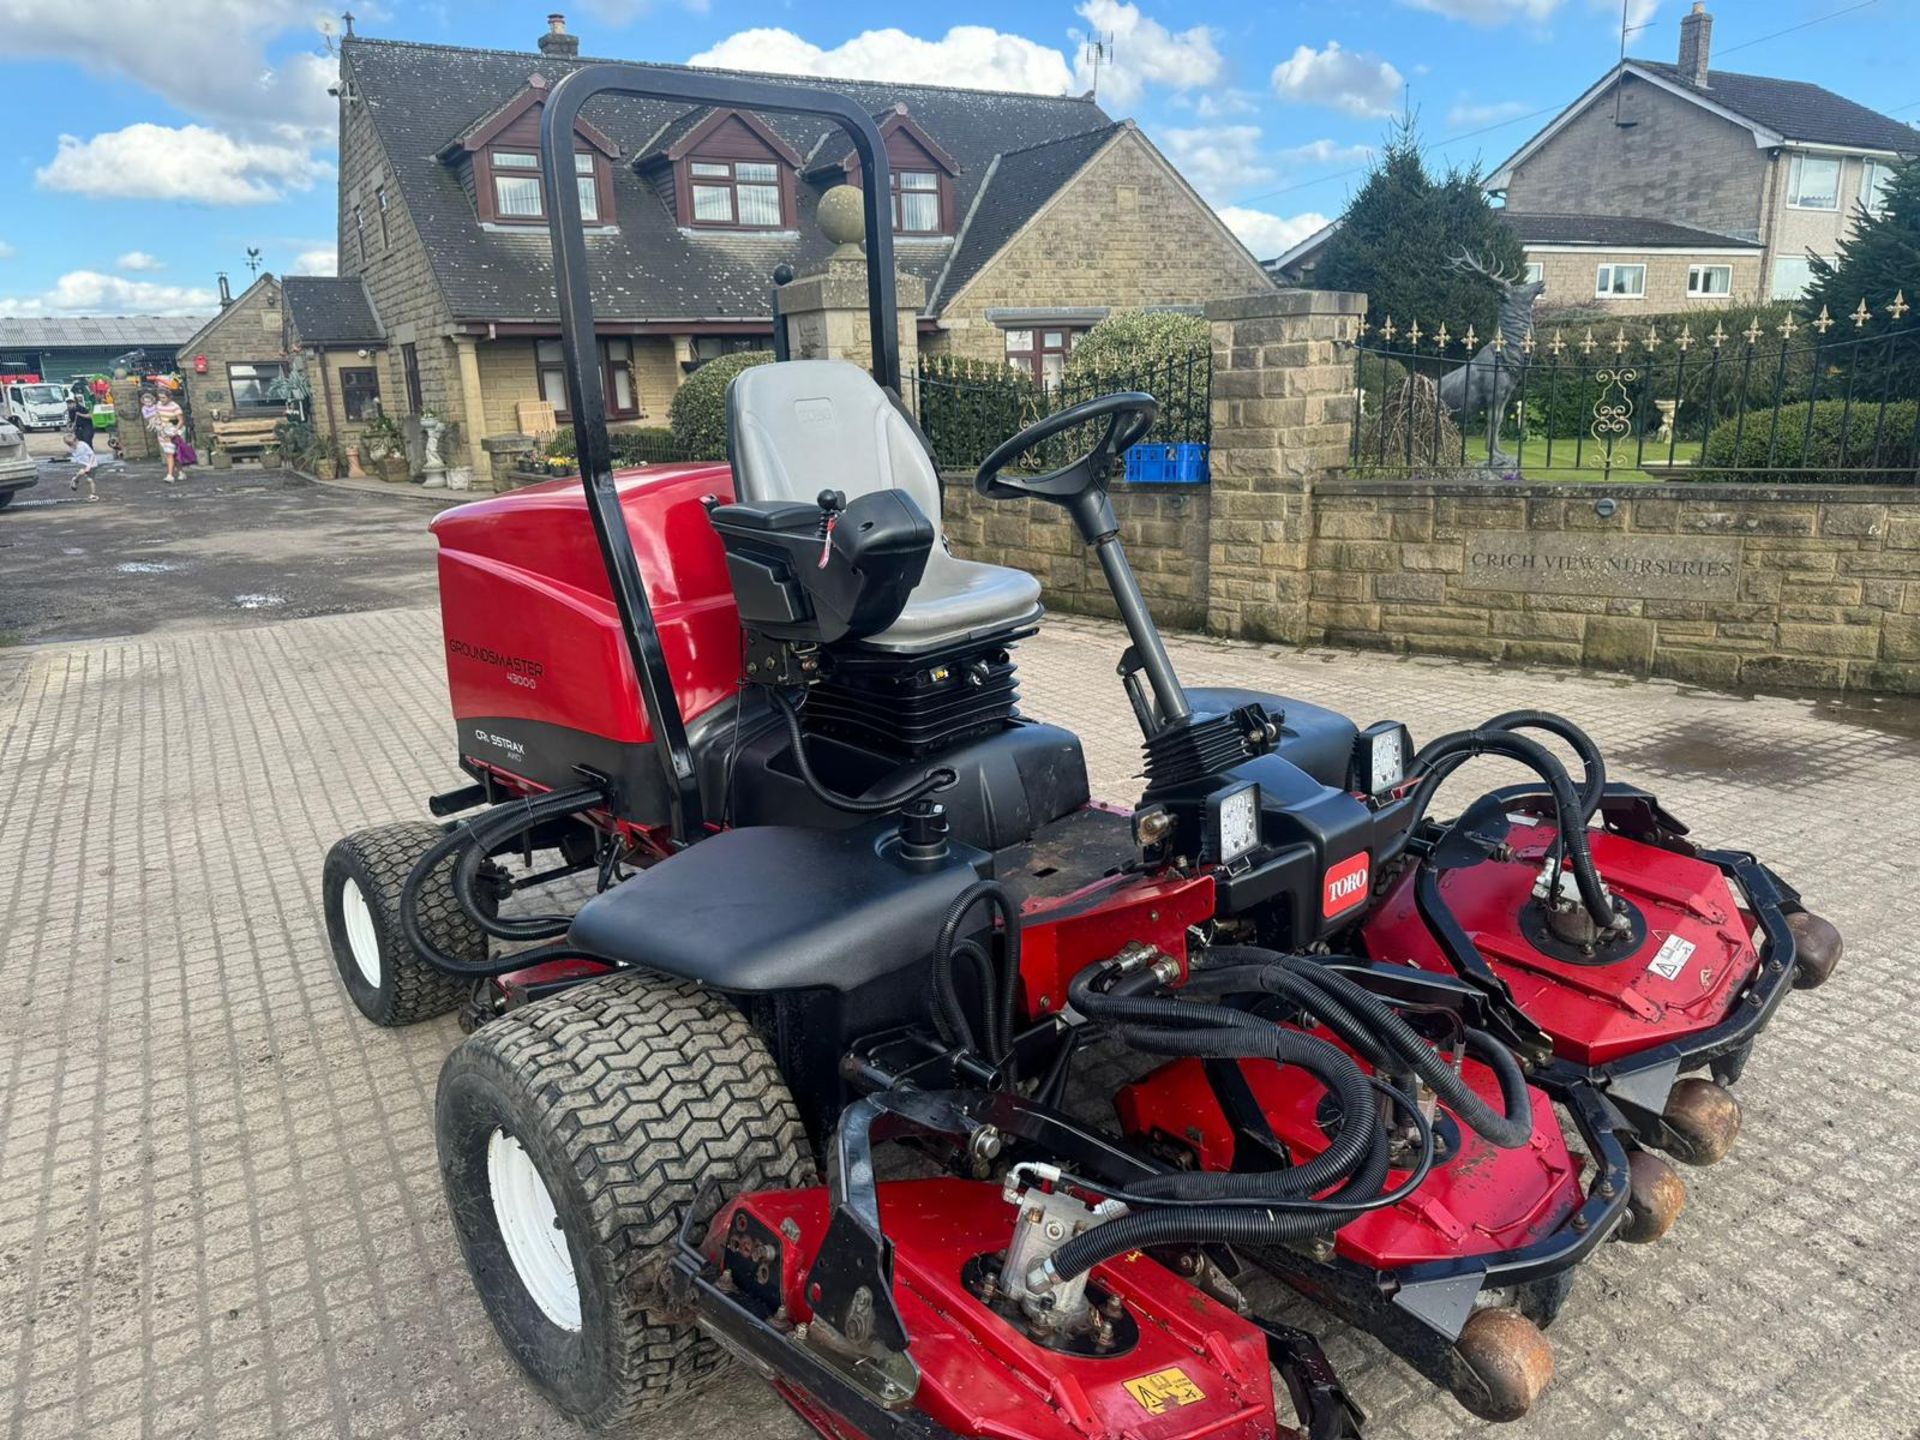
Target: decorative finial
(1824, 323)
(1861, 315)
(1470, 340)
(348, 18)
(1753, 331)
(1787, 327)
(1685, 342)
(1899, 306)
(1719, 336)
(1441, 339)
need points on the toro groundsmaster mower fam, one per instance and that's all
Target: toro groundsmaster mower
(806, 1079)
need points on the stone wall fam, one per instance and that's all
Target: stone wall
(1165, 528)
(1127, 232)
(1815, 586)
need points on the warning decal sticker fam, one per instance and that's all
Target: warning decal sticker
(1165, 1390)
(1672, 958)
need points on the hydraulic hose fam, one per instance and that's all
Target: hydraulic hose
(1593, 765)
(1510, 1128)
(1173, 1027)
(497, 827)
(1443, 756)
(481, 834)
(1001, 1000)
(937, 779)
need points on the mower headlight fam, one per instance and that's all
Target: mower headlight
(1233, 823)
(1381, 755)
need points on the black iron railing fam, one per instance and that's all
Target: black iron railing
(1789, 400)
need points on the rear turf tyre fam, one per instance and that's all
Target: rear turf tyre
(573, 1135)
(391, 982)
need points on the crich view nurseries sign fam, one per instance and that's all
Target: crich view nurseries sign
(1610, 563)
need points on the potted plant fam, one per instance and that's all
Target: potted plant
(220, 459)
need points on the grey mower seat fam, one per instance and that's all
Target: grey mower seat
(798, 427)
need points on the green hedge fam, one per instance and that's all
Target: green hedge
(969, 406)
(698, 414)
(1836, 443)
(642, 446)
(1164, 352)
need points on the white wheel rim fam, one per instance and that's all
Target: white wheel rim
(363, 938)
(523, 1209)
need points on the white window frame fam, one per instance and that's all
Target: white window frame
(1605, 274)
(1796, 173)
(1696, 282)
(1873, 175)
(1774, 292)
(1536, 271)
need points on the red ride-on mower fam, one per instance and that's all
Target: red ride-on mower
(875, 924)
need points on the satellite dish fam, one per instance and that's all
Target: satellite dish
(327, 26)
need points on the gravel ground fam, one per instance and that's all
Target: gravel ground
(234, 547)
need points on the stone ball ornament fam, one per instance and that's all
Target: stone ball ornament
(843, 216)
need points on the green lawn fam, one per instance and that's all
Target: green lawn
(1535, 465)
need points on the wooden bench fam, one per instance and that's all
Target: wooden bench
(245, 437)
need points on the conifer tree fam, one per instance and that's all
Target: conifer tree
(1396, 237)
(1880, 264)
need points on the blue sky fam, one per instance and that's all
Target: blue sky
(143, 157)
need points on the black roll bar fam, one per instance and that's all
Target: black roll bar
(573, 287)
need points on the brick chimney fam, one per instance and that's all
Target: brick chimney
(557, 42)
(1696, 42)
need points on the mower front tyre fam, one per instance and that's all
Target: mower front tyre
(574, 1134)
(391, 982)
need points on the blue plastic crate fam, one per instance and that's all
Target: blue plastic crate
(1150, 464)
(1190, 464)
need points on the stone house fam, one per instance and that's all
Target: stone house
(228, 363)
(335, 337)
(1022, 219)
(1766, 171)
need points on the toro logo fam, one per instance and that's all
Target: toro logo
(1346, 886)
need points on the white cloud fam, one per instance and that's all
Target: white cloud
(1326, 152)
(88, 292)
(187, 162)
(138, 261)
(972, 56)
(1146, 52)
(319, 261)
(1268, 235)
(7, 252)
(979, 57)
(1219, 159)
(1465, 113)
(1488, 12)
(1218, 104)
(209, 57)
(1353, 81)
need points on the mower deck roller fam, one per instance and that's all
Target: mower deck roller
(846, 894)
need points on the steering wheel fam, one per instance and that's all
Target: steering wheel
(1130, 414)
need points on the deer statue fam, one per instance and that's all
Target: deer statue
(1490, 379)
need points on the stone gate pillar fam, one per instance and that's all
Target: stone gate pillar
(826, 305)
(1282, 416)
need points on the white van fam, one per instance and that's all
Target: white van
(34, 406)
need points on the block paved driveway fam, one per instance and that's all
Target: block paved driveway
(219, 1212)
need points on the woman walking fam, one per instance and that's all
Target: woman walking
(170, 425)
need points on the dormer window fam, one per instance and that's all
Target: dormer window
(499, 161)
(743, 194)
(921, 174)
(723, 170)
(516, 186)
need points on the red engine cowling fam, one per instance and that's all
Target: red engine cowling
(537, 665)
(1195, 1369)
(1681, 979)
